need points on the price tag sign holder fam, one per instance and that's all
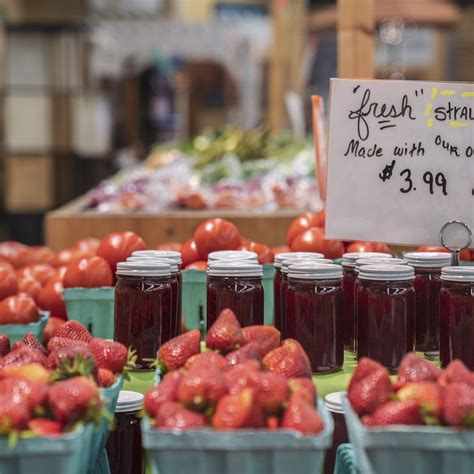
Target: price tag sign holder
(455, 236)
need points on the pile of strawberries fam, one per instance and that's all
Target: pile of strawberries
(422, 394)
(247, 378)
(49, 390)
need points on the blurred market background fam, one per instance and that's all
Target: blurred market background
(154, 106)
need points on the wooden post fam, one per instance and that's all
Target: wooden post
(355, 37)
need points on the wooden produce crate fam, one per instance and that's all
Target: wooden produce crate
(72, 222)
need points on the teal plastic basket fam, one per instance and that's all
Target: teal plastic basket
(243, 451)
(16, 331)
(62, 455)
(409, 449)
(93, 308)
(195, 295)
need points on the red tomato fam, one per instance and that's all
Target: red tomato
(216, 234)
(18, 309)
(51, 327)
(200, 266)
(60, 272)
(304, 222)
(189, 252)
(50, 298)
(12, 252)
(312, 240)
(40, 271)
(8, 283)
(381, 247)
(118, 246)
(67, 256)
(88, 245)
(465, 254)
(265, 253)
(360, 247)
(30, 286)
(281, 249)
(36, 255)
(174, 246)
(91, 272)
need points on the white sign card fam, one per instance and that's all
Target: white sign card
(400, 160)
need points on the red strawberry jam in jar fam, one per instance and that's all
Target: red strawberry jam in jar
(457, 316)
(427, 267)
(297, 257)
(348, 281)
(124, 446)
(333, 402)
(230, 255)
(314, 313)
(386, 313)
(236, 285)
(143, 308)
(276, 289)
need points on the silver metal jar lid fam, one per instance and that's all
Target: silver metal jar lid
(173, 265)
(236, 268)
(232, 255)
(171, 254)
(315, 271)
(279, 257)
(144, 268)
(129, 402)
(286, 263)
(460, 274)
(428, 259)
(385, 272)
(349, 259)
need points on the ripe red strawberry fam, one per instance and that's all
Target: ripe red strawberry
(305, 388)
(364, 367)
(238, 411)
(225, 334)
(57, 342)
(174, 353)
(172, 416)
(250, 351)
(105, 378)
(74, 330)
(45, 427)
(207, 359)
(29, 393)
(4, 345)
(428, 395)
(301, 416)
(415, 368)
(74, 399)
(267, 337)
(166, 391)
(456, 372)
(271, 391)
(201, 387)
(367, 394)
(69, 353)
(31, 341)
(289, 360)
(109, 354)
(395, 412)
(23, 355)
(13, 416)
(239, 377)
(35, 372)
(459, 405)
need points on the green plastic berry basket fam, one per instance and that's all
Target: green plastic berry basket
(409, 449)
(93, 308)
(194, 297)
(236, 452)
(62, 455)
(16, 331)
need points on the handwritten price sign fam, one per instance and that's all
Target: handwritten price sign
(401, 160)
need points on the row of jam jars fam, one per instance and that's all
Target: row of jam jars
(457, 315)
(385, 313)
(314, 313)
(143, 308)
(348, 282)
(174, 258)
(237, 285)
(281, 264)
(427, 267)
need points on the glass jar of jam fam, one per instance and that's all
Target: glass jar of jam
(314, 313)
(348, 281)
(175, 282)
(427, 267)
(457, 316)
(333, 402)
(276, 288)
(124, 446)
(386, 313)
(143, 308)
(229, 255)
(236, 285)
(296, 258)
